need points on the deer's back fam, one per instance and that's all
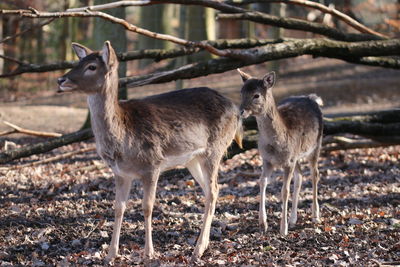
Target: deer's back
(301, 113)
(303, 120)
(178, 122)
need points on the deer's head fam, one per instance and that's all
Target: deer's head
(91, 73)
(254, 93)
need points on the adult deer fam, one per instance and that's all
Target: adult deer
(288, 132)
(139, 139)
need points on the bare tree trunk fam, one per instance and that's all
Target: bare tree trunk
(201, 26)
(104, 30)
(154, 18)
(64, 44)
(1, 46)
(276, 32)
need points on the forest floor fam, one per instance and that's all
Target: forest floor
(61, 213)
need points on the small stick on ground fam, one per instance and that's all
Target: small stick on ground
(18, 129)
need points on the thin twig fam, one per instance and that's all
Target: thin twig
(228, 7)
(19, 62)
(8, 132)
(334, 12)
(31, 132)
(8, 38)
(109, 6)
(128, 26)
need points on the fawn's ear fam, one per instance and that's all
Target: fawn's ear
(108, 54)
(269, 80)
(244, 75)
(80, 50)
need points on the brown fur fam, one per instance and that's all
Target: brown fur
(141, 138)
(288, 132)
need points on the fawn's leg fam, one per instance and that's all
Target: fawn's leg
(149, 196)
(264, 179)
(315, 179)
(122, 189)
(296, 191)
(285, 197)
(205, 172)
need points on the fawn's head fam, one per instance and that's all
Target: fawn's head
(254, 93)
(91, 73)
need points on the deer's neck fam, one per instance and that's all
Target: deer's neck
(270, 122)
(106, 113)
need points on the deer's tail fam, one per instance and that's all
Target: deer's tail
(239, 133)
(316, 99)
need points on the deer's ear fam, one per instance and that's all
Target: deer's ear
(80, 50)
(108, 54)
(244, 75)
(269, 80)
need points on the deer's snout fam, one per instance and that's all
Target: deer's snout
(61, 80)
(244, 113)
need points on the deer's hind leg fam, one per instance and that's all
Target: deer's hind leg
(315, 179)
(285, 198)
(296, 191)
(205, 171)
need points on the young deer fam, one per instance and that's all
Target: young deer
(139, 139)
(287, 133)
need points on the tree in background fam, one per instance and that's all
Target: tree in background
(158, 19)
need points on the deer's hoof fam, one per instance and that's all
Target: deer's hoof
(292, 222)
(284, 231)
(149, 255)
(109, 259)
(263, 227)
(316, 220)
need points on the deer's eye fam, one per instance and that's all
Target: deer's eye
(256, 96)
(92, 67)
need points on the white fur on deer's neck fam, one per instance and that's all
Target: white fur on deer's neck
(106, 114)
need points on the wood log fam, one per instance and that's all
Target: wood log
(46, 146)
(383, 127)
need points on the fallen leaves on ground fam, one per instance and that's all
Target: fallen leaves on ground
(61, 214)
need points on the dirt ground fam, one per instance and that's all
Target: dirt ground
(61, 213)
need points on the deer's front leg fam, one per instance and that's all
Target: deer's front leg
(122, 189)
(264, 180)
(149, 196)
(285, 198)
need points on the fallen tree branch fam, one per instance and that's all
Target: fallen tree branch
(334, 143)
(383, 116)
(156, 54)
(46, 146)
(301, 25)
(284, 49)
(374, 125)
(315, 5)
(18, 129)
